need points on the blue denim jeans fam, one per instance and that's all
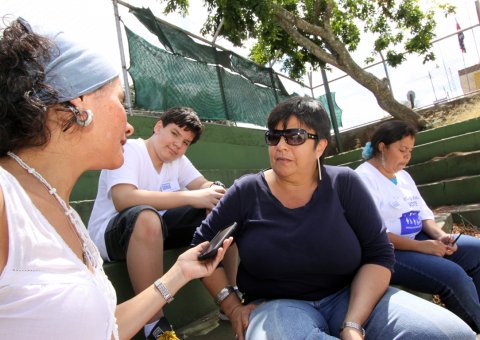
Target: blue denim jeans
(455, 278)
(398, 315)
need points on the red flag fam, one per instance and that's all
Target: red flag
(461, 37)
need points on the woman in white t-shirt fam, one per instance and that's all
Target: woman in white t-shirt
(427, 258)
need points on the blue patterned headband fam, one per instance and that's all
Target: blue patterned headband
(367, 151)
(74, 70)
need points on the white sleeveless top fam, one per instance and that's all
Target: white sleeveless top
(46, 292)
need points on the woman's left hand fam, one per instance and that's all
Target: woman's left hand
(448, 241)
(239, 317)
(193, 268)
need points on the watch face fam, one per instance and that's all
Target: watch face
(223, 294)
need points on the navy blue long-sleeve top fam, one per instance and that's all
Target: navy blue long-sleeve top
(305, 253)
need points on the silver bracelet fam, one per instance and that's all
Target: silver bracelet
(223, 294)
(226, 291)
(163, 291)
(353, 325)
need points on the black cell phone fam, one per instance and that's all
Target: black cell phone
(456, 239)
(217, 242)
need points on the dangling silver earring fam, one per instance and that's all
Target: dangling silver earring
(319, 169)
(382, 160)
(84, 118)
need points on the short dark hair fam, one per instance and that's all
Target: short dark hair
(185, 118)
(391, 132)
(308, 111)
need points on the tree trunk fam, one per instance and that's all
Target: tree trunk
(381, 91)
(337, 55)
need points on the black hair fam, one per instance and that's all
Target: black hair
(185, 118)
(391, 132)
(22, 113)
(308, 111)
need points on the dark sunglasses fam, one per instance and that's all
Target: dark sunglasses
(292, 136)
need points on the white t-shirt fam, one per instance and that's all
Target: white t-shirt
(401, 206)
(46, 292)
(139, 171)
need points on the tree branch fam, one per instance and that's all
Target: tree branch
(317, 10)
(339, 57)
(307, 43)
(328, 13)
(303, 25)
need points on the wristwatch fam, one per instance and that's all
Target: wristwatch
(162, 289)
(225, 292)
(353, 325)
(220, 184)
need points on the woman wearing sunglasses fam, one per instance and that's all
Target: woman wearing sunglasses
(315, 259)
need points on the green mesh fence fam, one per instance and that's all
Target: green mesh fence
(180, 43)
(338, 111)
(247, 102)
(218, 85)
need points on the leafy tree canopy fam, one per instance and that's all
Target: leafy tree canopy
(318, 33)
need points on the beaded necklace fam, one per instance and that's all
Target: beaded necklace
(90, 253)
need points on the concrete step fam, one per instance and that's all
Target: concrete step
(228, 151)
(344, 157)
(468, 142)
(463, 143)
(189, 311)
(423, 137)
(457, 191)
(447, 131)
(445, 221)
(455, 164)
(207, 328)
(84, 209)
(462, 214)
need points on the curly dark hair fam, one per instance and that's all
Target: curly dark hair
(22, 113)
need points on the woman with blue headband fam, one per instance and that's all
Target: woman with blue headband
(61, 114)
(427, 259)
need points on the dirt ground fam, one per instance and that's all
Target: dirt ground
(455, 111)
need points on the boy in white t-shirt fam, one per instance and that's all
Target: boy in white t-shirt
(156, 195)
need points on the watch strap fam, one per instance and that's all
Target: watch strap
(163, 291)
(223, 294)
(220, 184)
(354, 325)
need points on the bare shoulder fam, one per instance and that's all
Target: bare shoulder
(3, 233)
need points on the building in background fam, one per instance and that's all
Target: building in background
(470, 78)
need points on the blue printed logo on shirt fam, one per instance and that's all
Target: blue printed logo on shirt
(410, 223)
(166, 187)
